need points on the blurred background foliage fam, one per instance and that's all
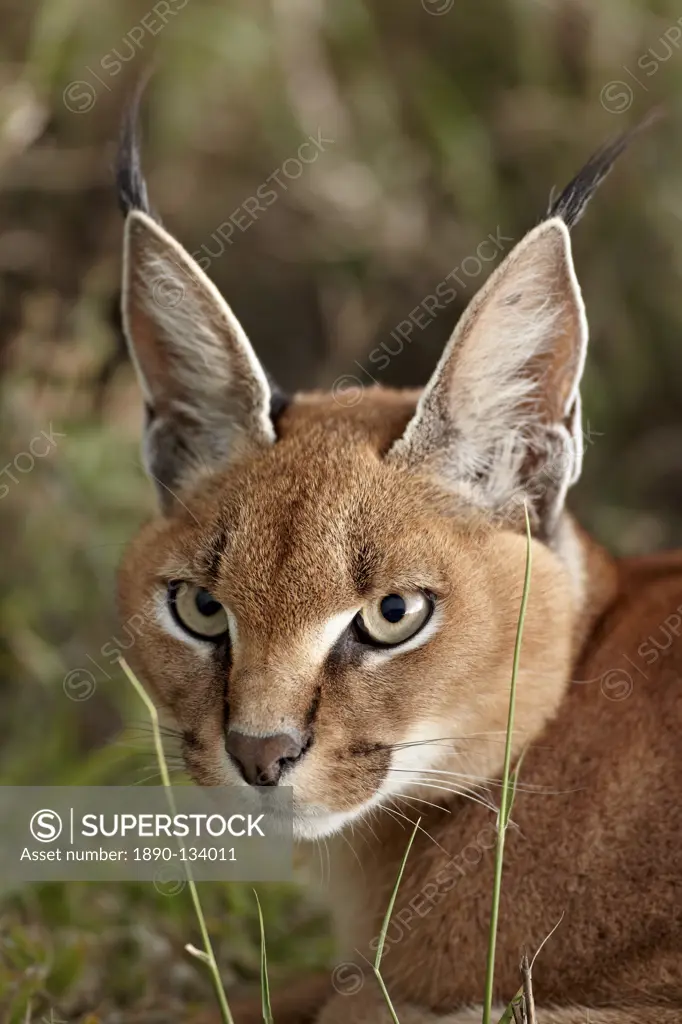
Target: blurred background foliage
(444, 122)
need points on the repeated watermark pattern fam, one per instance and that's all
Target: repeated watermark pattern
(80, 96)
(618, 682)
(349, 977)
(348, 389)
(617, 96)
(39, 447)
(169, 882)
(80, 684)
(265, 196)
(438, 7)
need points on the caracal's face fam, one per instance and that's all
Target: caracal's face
(329, 597)
(361, 611)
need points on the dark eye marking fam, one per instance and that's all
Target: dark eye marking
(313, 709)
(213, 555)
(364, 564)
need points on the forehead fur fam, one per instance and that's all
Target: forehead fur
(311, 528)
(320, 511)
(377, 419)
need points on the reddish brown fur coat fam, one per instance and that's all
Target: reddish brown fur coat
(596, 848)
(596, 820)
(298, 524)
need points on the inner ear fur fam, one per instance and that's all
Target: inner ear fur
(207, 397)
(500, 417)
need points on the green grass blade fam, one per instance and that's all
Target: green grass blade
(513, 783)
(208, 953)
(387, 998)
(384, 929)
(506, 791)
(389, 909)
(508, 1015)
(264, 982)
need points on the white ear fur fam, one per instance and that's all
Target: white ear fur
(501, 412)
(207, 396)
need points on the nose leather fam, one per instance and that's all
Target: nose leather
(262, 759)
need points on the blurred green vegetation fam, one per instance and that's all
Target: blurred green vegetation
(446, 122)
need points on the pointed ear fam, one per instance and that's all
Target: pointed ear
(500, 418)
(207, 396)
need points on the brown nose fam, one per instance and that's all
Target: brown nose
(262, 759)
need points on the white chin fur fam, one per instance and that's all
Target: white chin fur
(317, 823)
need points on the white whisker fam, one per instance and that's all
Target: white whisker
(353, 851)
(393, 811)
(421, 800)
(521, 787)
(456, 791)
(501, 733)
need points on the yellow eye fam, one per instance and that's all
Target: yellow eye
(395, 618)
(197, 611)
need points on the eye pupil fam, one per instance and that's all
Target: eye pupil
(393, 607)
(206, 603)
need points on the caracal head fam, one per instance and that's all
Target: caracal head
(330, 593)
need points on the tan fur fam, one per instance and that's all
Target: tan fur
(597, 820)
(350, 504)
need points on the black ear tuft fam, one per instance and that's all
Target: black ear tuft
(570, 205)
(130, 183)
